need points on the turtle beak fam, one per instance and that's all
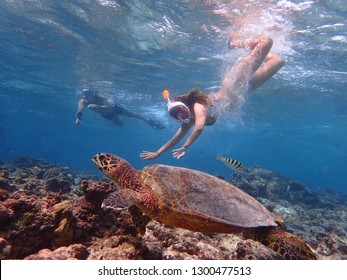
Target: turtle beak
(96, 161)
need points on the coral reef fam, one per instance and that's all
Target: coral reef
(48, 212)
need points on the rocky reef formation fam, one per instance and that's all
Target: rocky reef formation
(49, 212)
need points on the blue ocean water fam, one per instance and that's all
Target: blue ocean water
(295, 124)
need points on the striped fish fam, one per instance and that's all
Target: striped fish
(234, 164)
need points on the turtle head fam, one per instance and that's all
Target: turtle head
(126, 177)
(106, 162)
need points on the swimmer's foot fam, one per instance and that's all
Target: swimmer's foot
(235, 44)
(249, 43)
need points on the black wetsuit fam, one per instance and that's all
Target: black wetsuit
(117, 110)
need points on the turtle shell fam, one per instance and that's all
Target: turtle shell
(198, 201)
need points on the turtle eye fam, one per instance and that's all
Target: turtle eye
(101, 157)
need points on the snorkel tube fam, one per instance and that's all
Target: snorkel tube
(166, 95)
(171, 105)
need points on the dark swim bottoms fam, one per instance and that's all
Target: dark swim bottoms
(117, 110)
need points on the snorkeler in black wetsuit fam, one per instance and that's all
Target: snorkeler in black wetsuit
(108, 109)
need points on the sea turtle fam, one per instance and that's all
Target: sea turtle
(198, 201)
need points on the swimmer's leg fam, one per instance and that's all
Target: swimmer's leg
(116, 120)
(155, 124)
(270, 67)
(243, 77)
(152, 123)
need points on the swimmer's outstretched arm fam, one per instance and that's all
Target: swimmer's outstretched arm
(182, 131)
(200, 119)
(81, 105)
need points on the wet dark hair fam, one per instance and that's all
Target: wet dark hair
(193, 96)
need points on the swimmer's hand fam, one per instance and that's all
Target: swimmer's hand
(177, 153)
(148, 155)
(78, 117)
(93, 107)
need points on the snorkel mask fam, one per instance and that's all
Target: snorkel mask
(177, 110)
(88, 93)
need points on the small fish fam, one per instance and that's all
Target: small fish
(234, 164)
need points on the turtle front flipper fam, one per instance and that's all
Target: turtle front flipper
(122, 198)
(139, 219)
(288, 245)
(125, 200)
(117, 200)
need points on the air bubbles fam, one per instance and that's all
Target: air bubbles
(339, 38)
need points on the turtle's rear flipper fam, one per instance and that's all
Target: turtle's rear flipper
(139, 219)
(288, 245)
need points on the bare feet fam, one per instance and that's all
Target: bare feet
(250, 43)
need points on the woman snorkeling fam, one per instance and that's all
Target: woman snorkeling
(196, 109)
